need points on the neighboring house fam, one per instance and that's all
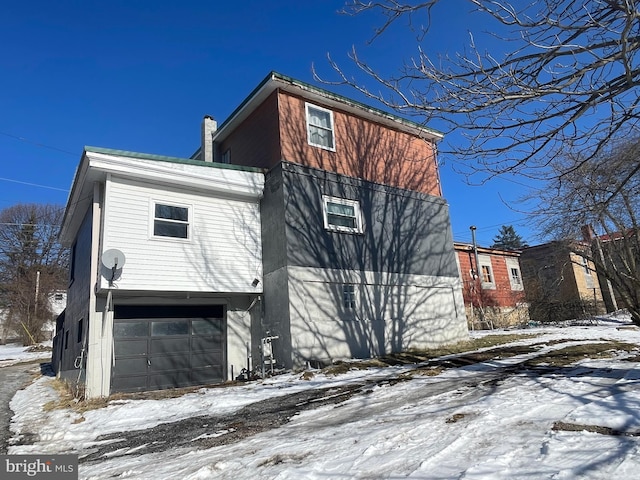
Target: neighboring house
(349, 255)
(57, 302)
(492, 287)
(560, 284)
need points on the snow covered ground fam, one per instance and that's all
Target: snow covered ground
(13, 354)
(468, 422)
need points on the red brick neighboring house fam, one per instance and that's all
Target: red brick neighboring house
(494, 297)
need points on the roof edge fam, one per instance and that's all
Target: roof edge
(163, 158)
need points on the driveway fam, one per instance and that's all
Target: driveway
(12, 378)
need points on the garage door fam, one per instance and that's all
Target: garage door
(167, 347)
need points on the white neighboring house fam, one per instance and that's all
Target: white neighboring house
(57, 304)
(165, 272)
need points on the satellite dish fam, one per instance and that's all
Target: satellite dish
(113, 259)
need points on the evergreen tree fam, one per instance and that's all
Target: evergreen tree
(508, 239)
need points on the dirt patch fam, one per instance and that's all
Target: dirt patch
(572, 354)
(576, 427)
(211, 431)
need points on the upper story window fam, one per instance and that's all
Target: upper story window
(587, 273)
(226, 156)
(486, 272)
(170, 221)
(341, 215)
(515, 278)
(72, 262)
(320, 127)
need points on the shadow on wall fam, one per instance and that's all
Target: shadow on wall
(391, 286)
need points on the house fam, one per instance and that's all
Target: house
(10, 330)
(560, 283)
(165, 272)
(307, 225)
(493, 289)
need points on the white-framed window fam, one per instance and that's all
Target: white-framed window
(320, 130)
(341, 215)
(170, 220)
(515, 277)
(486, 272)
(349, 297)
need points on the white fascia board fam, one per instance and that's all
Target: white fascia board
(216, 180)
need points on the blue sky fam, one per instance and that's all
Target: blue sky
(140, 75)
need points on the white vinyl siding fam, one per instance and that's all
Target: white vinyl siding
(223, 253)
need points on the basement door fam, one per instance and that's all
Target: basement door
(159, 347)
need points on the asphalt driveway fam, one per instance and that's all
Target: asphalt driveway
(12, 378)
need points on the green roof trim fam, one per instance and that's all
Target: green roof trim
(163, 158)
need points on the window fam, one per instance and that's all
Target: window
(170, 221)
(320, 127)
(72, 266)
(226, 156)
(349, 297)
(587, 273)
(80, 328)
(515, 278)
(486, 272)
(342, 215)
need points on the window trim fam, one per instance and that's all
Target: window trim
(332, 129)
(485, 261)
(152, 220)
(358, 229)
(513, 264)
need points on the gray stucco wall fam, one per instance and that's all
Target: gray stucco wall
(406, 246)
(77, 308)
(405, 232)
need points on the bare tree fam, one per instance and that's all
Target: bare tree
(601, 194)
(567, 80)
(32, 267)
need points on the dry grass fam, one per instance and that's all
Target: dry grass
(572, 354)
(68, 400)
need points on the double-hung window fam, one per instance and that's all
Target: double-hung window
(170, 221)
(320, 127)
(515, 278)
(341, 215)
(486, 272)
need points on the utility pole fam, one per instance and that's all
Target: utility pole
(477, 285)
(35, 303)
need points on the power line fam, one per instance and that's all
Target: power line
(37, 144)
(34, 184)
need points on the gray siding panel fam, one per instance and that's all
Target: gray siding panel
(405, 232)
